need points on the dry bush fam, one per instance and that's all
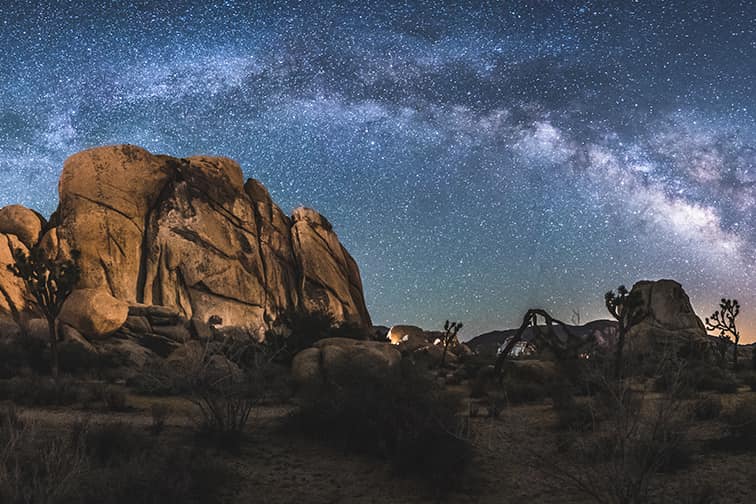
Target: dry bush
(37, 470)
(225, 381)
(41, 391)
(102, 464)
(409, 420)
(741, 425)
(618, 459)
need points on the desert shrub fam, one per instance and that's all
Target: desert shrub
(12, 360)
(36, 470)
(297, 330)
(40, 391)
(21, 354)
(707, 408)
(578, 417)
(519, 392)
(224, 381)
(113, 443)
(157, 379)
(74, 358)
(619, 458)
(473, 364)
(410, 421)
(741, 425)
(349, 330)
(102, 464)
(300, 329)
(750, 380)
(709, 377)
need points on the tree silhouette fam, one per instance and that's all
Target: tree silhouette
(622, 306)
(50, 282)
(566, 349)
(450, 336)
(723, 320)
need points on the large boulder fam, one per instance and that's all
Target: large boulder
(331, 360)
(107, 195)
(14, 296)
(193, 235)
(666, 320)
(22, 222)
(94, 312)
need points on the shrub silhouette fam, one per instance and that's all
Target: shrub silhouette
(95, 464)
(410, 421)
(297, 330)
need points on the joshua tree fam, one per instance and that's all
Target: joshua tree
(549, 335)
(50, 282)
(723, 320)
(622, 306)
(450, 336)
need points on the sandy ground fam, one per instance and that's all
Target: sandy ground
(279, 468)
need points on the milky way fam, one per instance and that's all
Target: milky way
(476, 160)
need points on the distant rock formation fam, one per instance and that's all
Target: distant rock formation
(667, 320)
(189, 234)
(603, 332)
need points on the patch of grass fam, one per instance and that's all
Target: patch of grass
(103, 464)
(41, 391)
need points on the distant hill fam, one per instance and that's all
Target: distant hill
(488, 343)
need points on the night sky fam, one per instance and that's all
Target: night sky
(476, 160)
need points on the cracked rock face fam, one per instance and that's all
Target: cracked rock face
(666, 318)
(192, 235)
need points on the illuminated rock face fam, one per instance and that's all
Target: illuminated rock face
(192, 235)
(406, 334)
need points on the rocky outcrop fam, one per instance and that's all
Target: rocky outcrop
(188, 234)
(22, 222)
(331, 360)
(14, 296)
(666, 320)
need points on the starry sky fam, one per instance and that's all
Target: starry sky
(477, 159)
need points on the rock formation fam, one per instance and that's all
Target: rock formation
(667, 320)
(187, 234)
(333, 359)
